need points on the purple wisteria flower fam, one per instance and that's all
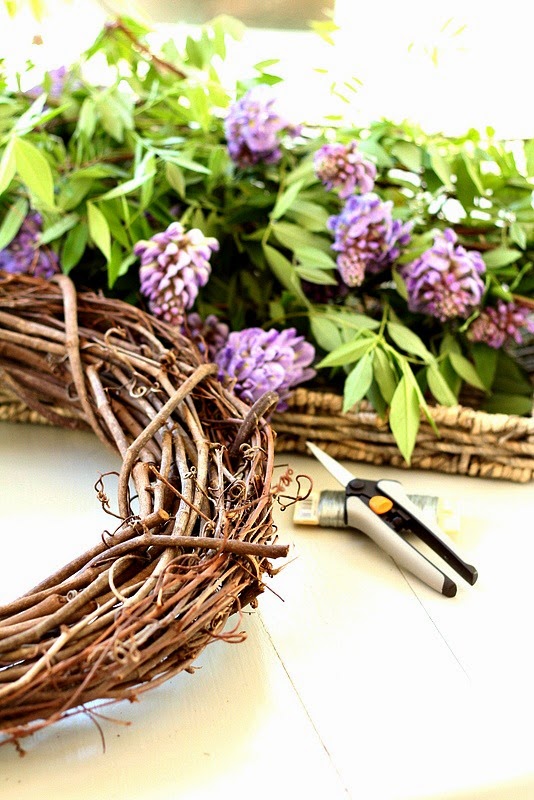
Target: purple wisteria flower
(260, 361)
(254, 126)
(174, 265)
(342, 166)
(502, 325)
(209, 334)
(23, 255)
(445, 281)
(366, 237)
(57, 80)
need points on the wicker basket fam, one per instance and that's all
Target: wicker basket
(471, 442)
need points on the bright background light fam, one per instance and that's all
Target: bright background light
(447, 67)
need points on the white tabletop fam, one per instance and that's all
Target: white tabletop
(355, 680)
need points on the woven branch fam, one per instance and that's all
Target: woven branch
(188, 552)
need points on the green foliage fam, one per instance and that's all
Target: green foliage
(107, 165)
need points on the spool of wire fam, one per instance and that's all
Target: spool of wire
(326, 509)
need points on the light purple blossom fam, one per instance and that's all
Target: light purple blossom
(342, 166)
(259, 361)
(502, 325)
(366, 237)
(174, 265)
(23, 255)
(57, 80)
(445, 281)
(209, 334)
(254, 127)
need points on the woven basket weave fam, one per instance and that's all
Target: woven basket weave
(471, 442)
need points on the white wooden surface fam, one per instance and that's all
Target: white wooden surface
(355, 681)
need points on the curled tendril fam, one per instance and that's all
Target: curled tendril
(237, 490)
(102, 497)
(248, 451)
(286, 500)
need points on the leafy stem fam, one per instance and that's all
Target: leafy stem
(119, 25)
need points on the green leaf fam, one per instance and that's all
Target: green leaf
(8, 166)
(86, 119)
(377, 401)
(118, 264)
(325, 332)
(449, 344)
(148, 167)
(29, 118)
(294, 237)
(183, 161)
(485, 359)
(529, 155)
(12, 221)
(384, 374)
(73, 192)
(311, 216)
(346, 353)
(350, 323)
(409, 341)
(473, 172)
(358, 382)
(465, 369)
(74, 247)
(99, 229)
(125, 188)
(58, 229)
(408, 154)
(508, 404)
(510, 378)
(175, 178)
(439, 387)
(285, 200)
(283, 269)
(400, 284)
(304, 172)
(501, 257)
(115, 111)
(465, 188)
(34, 170)
(518, 234)
(312, 257)
(441, 167)
(404, 417)
(317, 276)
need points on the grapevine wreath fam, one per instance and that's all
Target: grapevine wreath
(194, 533)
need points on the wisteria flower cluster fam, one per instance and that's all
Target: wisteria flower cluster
(260, 361)
(366, 237)
(25, 255)
(174, 265)
(446, 280)
(378, 261)
(254, 128)
(502, 324)
(342, 167)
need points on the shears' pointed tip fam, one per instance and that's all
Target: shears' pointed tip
(337, 470)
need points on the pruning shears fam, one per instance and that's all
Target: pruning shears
(383, 511)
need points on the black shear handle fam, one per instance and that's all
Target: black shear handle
(427, 531)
